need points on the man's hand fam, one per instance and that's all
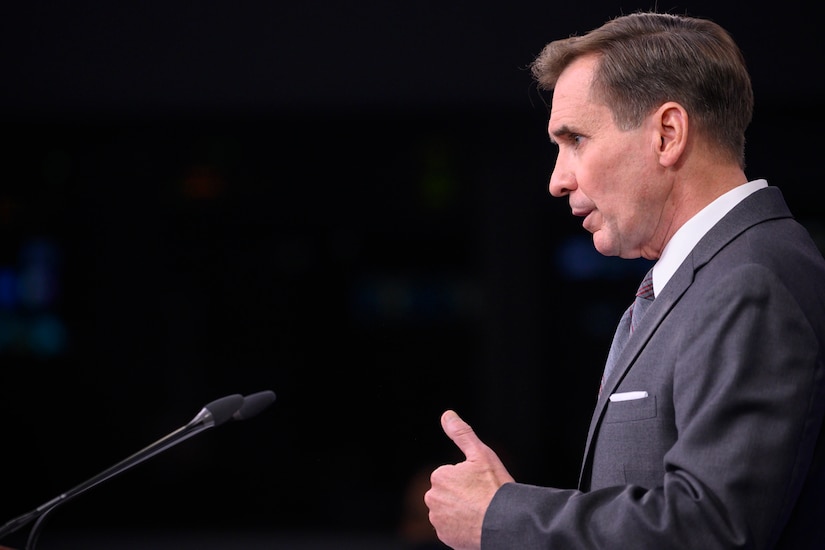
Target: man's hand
(460, 494)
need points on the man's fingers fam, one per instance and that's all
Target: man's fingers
(462, 434)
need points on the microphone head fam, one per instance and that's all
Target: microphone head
(222, 409)
(254, 404)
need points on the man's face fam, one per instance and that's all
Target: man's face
(611, 176)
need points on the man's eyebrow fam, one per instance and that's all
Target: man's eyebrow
(562, 131)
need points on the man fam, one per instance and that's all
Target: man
(708, 430)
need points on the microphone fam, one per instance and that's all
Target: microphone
(215, 413)
(254, 404)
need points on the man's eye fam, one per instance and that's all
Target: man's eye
(576, 139)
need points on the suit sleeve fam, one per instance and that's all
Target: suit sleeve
(747, 383)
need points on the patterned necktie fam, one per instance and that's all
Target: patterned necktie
(628, 323)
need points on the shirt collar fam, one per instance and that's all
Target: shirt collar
(686, 237)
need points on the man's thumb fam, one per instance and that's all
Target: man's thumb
(461, 433)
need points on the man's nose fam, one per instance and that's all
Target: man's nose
(562, 180)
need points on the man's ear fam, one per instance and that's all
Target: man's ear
(671, 125)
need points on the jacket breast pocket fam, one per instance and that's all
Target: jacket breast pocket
(630, 410)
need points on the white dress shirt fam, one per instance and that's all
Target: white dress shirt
(686, 237)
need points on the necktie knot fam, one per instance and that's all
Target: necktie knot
(646, 288)
(644, 297)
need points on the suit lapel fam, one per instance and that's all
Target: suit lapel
(658, 310)
(762, 205)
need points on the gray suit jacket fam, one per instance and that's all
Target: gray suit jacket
(727, 449)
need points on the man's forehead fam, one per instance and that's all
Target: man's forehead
(576, 79)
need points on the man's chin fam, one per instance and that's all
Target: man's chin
(608, 247)
(603, 245)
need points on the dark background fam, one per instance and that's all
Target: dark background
(345, 203)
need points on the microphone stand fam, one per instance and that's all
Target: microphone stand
(215, 413)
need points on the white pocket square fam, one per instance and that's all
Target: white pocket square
(628, 395)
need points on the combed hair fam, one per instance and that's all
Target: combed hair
(647, 59)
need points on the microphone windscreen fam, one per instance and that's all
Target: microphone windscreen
(254, 404)
(222, 409)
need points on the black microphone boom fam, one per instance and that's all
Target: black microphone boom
(217, 412)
